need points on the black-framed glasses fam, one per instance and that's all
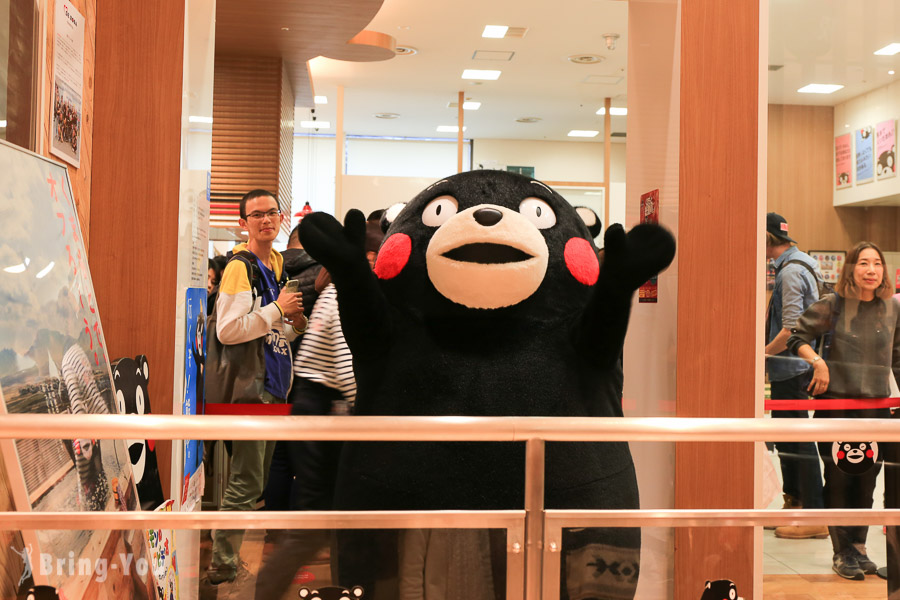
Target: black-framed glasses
(258, 215)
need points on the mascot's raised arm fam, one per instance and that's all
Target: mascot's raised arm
(488, 298)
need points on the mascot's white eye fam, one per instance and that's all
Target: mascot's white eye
(847, 447)
(439, 210)
(139, 400)
(120, 402)
(538, 212)
(732, 593)
(862, 446)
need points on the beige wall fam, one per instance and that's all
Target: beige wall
(552, 161)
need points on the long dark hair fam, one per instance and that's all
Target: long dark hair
(846, 285)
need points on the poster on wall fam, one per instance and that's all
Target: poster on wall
(163, 560)
(68, 78)
(886, 149)
(865, 151)
(830, 263)
(649, 292)
(843, 161)
(53, 361)
(195, 345)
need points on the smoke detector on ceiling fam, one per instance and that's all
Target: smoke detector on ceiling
(406, 50)
(528, 120)
(387, 115)
(586, 59)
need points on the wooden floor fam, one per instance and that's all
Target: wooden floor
(822, 587)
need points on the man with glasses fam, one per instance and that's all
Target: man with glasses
(252, 305)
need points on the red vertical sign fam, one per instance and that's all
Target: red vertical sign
(649, 214)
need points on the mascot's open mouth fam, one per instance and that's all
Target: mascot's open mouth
(486, 253)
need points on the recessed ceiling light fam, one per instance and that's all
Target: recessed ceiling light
(528, 120)
(405, 50)
(586, 59)
(285, 28)
(890, 72)
(484, 74)
(449, 128)
(614, 111)
(820, 88)
(387, 116)
(195, 119)
(471, 105)
(315, 124)
(583, 133)
(846, 125)
(321, 99)
(494, 31)
(889, 50)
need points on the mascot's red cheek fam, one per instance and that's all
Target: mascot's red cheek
(393, 256)
(581, 260)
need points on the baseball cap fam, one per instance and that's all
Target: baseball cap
(777, 226)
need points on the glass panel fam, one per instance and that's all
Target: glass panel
(19, 28)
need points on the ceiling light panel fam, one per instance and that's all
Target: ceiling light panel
(820, 88)
(583, 133)
(196, 119)
(494, 31)
(471, 105)
(493, 55)
(481, 74)
(889, 50)
(321, 99)
(615, 111)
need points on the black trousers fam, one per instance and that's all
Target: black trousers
(847, 490)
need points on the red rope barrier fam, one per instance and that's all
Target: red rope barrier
(248, 409)
(833, 404)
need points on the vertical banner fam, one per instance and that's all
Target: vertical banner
(886, 149)
(68, 78)
(194, 346)
(843, 161)
(865, 150)
(648, 293)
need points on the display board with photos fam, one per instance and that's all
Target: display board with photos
(53, 360)
(830, 263)
(866, 155)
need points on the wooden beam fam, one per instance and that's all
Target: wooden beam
(339, 156)
(607, 150)
(459, 133)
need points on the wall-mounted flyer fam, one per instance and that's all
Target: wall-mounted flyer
(843, 161)
(886, 149)
(68, 82)
(865, 151)
(831, 262)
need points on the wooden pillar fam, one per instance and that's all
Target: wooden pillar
(460, 122)
(719, 262)
(135, 188)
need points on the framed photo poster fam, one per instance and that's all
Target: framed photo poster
(830, 263)
(865, 150)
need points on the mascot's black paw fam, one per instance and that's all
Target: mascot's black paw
(635, 257)
(334, 245)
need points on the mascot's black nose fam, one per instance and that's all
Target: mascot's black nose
(488, 216)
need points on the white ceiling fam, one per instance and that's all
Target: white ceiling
(831, 41)
(817, 41)
(539, 81)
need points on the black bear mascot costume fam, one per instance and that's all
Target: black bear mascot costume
(488, 299)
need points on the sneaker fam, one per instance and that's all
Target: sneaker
(866, 565)
(220, 576)
(847, 567)
(802, 532)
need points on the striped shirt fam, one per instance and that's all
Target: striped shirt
(323, 356)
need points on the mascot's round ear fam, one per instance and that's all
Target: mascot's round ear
(590, 218)
(390, 215)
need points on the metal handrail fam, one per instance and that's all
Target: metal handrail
(496, 429)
